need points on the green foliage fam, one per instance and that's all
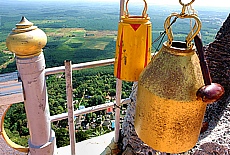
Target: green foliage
(11, 67)
(62, 137)
(16, 119)
(15, 124)
(90, 87)
(4, 57)
(82, 135)
(98, 131)
(16, 138)
(96, 100)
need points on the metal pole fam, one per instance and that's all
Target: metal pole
(69, 92)
(80, 66)
(118, 91)
(122, 3)
(117, 109)
(87, 110)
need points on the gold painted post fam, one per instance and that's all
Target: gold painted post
(27, 41)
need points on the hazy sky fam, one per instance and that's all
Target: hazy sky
(213, 3)
(223, 3)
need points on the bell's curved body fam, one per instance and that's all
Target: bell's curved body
(168, 114)
(133, 47)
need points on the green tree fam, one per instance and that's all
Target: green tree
(15, 124)
(81, 135)
(62, 137)
(96, 100)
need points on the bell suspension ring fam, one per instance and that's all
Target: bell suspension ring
(195, 30)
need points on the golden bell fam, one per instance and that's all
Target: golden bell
(168, 114)
(133, 46)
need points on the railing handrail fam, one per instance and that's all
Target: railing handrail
(80, 66)
(88, 110)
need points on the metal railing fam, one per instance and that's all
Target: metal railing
(69, 94)
(54, 70)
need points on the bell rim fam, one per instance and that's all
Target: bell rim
(183, 51)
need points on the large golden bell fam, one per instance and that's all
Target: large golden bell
(168, 113)
(26, 40)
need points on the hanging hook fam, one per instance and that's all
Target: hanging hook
(144, 12)
(195, 30)
(185, 5)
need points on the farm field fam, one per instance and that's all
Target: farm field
(82, 32)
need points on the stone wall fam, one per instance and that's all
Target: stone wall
(218, 57)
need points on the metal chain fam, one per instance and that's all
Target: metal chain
(191, 11)
(188, 7)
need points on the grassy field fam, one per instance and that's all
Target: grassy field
(84, 32)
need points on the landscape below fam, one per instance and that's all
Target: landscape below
(83, 32)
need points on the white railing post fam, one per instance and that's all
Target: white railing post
(117, 109)
(118, 91)
(69, 95)
(27, 41)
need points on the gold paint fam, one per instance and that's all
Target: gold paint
(144, 12)
(26, 40)
(133, 46)
(133, 53)
(168, 115)
(195, 29)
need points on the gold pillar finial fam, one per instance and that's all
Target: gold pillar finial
(24, 23)
(26, 40)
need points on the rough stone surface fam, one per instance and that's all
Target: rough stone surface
(214, 141)
(212, 149)
(218, 57)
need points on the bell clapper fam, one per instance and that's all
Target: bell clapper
(210, 92)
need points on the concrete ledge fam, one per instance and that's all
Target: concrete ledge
(93, 146)
(10, 89)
